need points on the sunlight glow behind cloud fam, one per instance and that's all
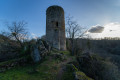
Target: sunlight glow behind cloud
(110, 30)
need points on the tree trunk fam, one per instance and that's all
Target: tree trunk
(19, 41)
(72, 43)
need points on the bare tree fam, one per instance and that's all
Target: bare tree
(18, 32)
(73, 31)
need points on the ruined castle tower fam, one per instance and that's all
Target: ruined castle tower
(55, 27)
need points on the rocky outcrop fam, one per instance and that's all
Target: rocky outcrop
(39, 50)
(77, 74)
(59, 56)
(12, 63)
(81, 76)
(35, 54)
(97, 67)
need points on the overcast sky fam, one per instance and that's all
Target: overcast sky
(86, 12)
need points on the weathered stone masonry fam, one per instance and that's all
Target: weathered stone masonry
(55, 27)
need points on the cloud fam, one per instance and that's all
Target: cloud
(96, 29)
(34, 36)
(108, 30)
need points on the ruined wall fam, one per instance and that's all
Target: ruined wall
(55, 27)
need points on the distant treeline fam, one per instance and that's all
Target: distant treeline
(107, 45)
(105, 38)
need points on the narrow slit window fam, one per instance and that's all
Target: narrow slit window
(56, 24)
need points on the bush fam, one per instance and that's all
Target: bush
(97, 67)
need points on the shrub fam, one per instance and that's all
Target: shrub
(97, 67)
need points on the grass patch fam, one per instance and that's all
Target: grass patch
(82, 76)
(47, 70)
(68, 74)
(64, 52)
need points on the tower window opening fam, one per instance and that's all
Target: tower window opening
(56, 24)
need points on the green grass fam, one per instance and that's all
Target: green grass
(47, 70)
(10, 61)
(68, 76)
(82, 76)
(64, 52)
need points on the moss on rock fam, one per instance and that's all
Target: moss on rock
(81, 76)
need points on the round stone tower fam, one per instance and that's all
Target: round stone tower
(55, 27)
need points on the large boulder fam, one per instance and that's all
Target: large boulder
(35, 54)
(42, 48)
(39, 51)
(59, 56)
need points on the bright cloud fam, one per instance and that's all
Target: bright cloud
(110, 30)
(96, 29)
